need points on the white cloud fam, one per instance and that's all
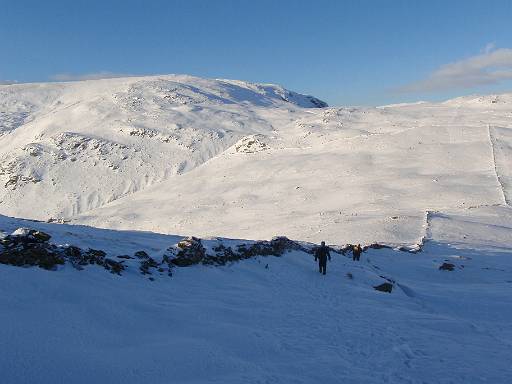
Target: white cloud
(489, 47)
(88, 76)
(489, 67)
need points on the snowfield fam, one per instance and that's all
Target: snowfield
(267, 319)
(135, 164)
(344, 176)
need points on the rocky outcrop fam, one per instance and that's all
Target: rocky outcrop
(28, 247)
(251, 144)
(191, 251)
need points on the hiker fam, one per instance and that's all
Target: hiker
(321, 254)
(356, 252)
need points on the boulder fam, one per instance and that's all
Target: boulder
(28, 235)
(384, 287)
(447, 267)
(41, 236)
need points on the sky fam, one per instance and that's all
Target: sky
(344, 52)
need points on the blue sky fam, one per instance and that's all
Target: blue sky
(345, 52)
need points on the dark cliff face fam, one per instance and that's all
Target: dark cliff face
(304, 101)
(317, 102)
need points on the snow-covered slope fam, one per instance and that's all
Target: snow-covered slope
(343, 175)
(66, 148)
(181, 155)
(266, 319)
(184, 155)
(151, 159)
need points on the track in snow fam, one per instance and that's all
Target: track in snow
(492, 140)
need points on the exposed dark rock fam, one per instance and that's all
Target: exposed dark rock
(91, 256)
(25, 236)
(259, 248)
(95, 254)
(31, 254)
(384, 287)
(22, 248)
(317, 102)
(191, 252)
(113, 266)
(282, 244)
(28, 247)
(167, 260)
(275, 247)
(75, 257)
(222, 256)
(376, 246)
(41, 236)
(73, 251)
(447, 267)
(146, 264)
(141, 255)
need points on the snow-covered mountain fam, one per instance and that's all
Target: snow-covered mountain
(425, 187)
(66, 148)
(183, 155)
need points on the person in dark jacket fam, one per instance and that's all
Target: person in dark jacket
(322, 254)
(356, 252)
